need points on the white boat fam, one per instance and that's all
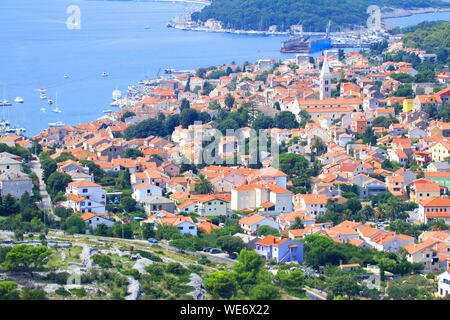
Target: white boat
(104, 74)
(4, 123)
(41, 90)
(66, 76)
(56, 124)
(107, 111)
(5, 103)
(19, 100)
(116, 95)
(42, 96)
(50, 101)
(43, 109)
(57, 110)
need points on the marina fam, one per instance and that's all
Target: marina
(84, 92)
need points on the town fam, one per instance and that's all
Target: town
(348, 201)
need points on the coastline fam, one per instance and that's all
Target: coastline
(398, 13)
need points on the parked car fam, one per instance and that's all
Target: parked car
(152, 240)
(214, 250)
(233, 255)
(207, 249)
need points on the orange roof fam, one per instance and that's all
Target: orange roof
(436, 202)
(271, 241)
(313, 198)
(75, 198)
(83, 184)
(416, 247)
(253, 219)
(207, 227)
(89, 215)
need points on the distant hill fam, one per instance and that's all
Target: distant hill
(432, 37)
(313, 15)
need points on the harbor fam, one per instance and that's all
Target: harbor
(139, 31)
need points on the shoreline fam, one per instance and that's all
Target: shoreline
(394, 13)
(399, 13)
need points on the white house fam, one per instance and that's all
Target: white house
(314, 204)
(273, 198)
(251, 223)
(444, 283)
(94, 220)
(144, 190)
(185, 225)
(85, 196)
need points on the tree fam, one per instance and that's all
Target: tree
(297, 224)
(293, 281)
(128, 204)
(26, 258)
(74, 224)
(37, 294)
(264, 291)
(48, 165)
(185, 104)
(263, 122)
(203, 186)
(249, 264)
(57, 182)
(8, 290)
(286, 120)
(229, 101)
(266, 231)
(9, 206)
(343, 285)
(127, 114)
(133, 153)
(222, 284)
(291, 163)
(144, 129)
(123, 180)
(230, 244)
(102, 260)
(94, 169)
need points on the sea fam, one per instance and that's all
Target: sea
(127, 39)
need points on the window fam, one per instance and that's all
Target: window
(85, 190)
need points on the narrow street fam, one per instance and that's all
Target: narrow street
(45, 203)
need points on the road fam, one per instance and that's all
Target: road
(46, 203)
(315, 294)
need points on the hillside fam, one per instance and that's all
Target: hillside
(314, 15)
(434, 38)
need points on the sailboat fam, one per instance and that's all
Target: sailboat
(56, 109)
(19, 100)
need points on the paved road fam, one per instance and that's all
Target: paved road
(46, 203)
(315, 294)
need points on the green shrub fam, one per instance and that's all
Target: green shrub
(62, 292)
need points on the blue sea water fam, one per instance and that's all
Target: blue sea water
(127, 39)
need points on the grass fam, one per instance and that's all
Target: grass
(55, 260)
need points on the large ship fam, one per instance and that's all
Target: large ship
(306, 45)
